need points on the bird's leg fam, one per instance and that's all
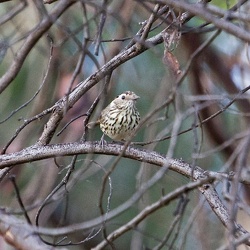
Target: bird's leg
(102, 141)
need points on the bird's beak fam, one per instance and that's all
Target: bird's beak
(135, 97)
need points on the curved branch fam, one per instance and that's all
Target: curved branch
(36, 153)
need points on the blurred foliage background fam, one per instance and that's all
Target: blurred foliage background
(214, 77)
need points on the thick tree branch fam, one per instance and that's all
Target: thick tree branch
(87, 84)
(36, 153)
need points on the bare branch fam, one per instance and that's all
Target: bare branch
(150, 209)
(31, 40)
(20, 237)
(43, 152)
(199, 9)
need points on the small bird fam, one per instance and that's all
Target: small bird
(120, 118)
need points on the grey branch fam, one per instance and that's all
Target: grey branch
(20, 237)
(35, 153)
(29, 43)
(205, 13)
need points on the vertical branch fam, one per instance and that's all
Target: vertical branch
(101, 26)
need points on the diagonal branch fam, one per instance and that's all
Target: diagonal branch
(201, 11)
(148, 210)
(83, 87)
(31, 40)
(20, 237)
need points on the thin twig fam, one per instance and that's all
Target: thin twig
(13, 180)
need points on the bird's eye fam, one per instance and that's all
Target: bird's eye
(123, 97)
